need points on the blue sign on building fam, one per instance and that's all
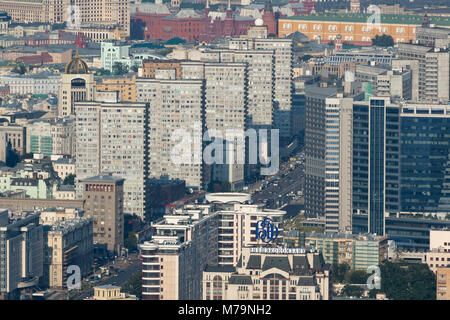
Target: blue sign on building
(266, 230)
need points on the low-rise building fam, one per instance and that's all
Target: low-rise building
(443, 283)
(110, 292)
(64, 167)
(270, 274)
(357, 251)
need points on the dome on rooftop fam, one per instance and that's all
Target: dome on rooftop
(76, 65)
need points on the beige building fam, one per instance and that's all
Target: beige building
(184, 242)
(238, 221)
(443, 284)
(104, 203)
(177, 106)
(102, 12)
(126, 86)
(64, 167)
(267, 273)
(438, 255)
(66, 243)
(110, 292)
(16, 136)
(113, 137)
(51, 216)
(77, 84)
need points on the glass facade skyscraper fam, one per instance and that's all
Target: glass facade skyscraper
(425, 157)
(376, 152)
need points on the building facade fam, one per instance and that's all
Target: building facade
(264, 274)
(104, 202)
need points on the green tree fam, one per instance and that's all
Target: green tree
(69, 179)
(339, 271)
(131, 241)
(403, 281)
(383, 41)
(134, 285)
(119, 68)
(352, 291)
(357, 277)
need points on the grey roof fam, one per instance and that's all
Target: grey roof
(65, 161)
(318, 262)
(24, 182)
(300, 265)
(278, 262)
(306, 281)
(254, 262)
(66, 187)
(239, 264)
(238, 279)
(217, 268)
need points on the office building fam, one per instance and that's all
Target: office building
(177, 124)
(376, 160)
(77, 84)
(425, 145)
(433, 73)
(112, 137)
(409, 233)
(270, 274)
(21, 253)
(51, 137)
(67, 242)
(104, 202)
(315, 105)
(338, 163)
(183, 243)
(357, 251)
(384, 82)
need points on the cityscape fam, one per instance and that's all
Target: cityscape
(245, 150)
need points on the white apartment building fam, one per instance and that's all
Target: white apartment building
(283, 76)
(177, 122)
(183, 243)
(112, 137)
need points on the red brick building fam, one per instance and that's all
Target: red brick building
(191, 25)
